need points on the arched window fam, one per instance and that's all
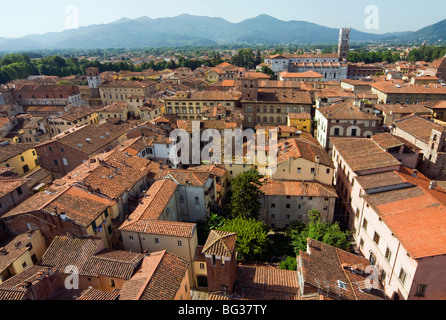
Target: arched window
(265, 120)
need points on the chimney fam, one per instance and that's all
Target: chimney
(433, 185)
(415, 173)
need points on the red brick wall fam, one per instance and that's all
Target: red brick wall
(50, 226)
(222, 276)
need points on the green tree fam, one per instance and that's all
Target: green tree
(252, 238)
(326, 232)
(245, 190)
(267, 70)
(289, 264)
(213, 222)
(244, 58)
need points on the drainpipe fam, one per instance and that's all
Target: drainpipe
(396, 256)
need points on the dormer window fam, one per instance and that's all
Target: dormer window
(342, 285)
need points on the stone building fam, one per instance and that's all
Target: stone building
(344, 119)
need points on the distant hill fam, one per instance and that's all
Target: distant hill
(432, 33)
(199, 30)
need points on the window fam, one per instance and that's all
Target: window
(388, 254)
(24, 264)
(364, 224)
(273, 206)
(180, 243)
(202, 266)
(288, 206)
(313, 171)
(131, 238)
(19, 191)
(56, 162)
(421, 290)
(361, 243)
(403, 275)
(197, 200)
(299, 170)
(157, 241)
(376, 238)
(112, 283)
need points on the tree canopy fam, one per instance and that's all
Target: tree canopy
(252, 238)
(245, 189)
(326, 232)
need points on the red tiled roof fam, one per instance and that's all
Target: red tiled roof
(220, 243)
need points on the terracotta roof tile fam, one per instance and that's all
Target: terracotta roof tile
(220, 243)
(325, 265)
(264, 282)
(159, 278)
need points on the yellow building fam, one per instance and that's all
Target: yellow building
(301, 121)
(75, 117)
(118, 110)
(119, 91)
(20, 253)
(22, 158)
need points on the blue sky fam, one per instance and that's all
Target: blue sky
(24, 17)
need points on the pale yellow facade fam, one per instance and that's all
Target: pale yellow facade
(59, 125)
(302, 170)
(107, 232)
(36, 249)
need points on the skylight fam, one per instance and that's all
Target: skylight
(342, 285)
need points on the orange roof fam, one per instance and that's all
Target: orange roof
(416, 216)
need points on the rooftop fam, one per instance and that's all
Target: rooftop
(159, 278)
(419, 127)
(345, 111)
(415, 215)
(337, 273)
(220, 243)
(297, 188)
(363, 154)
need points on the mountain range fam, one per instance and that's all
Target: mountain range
(199, 30)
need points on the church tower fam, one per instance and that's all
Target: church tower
(221, 261)
(249, 88)
(94, 80)
(344, 46)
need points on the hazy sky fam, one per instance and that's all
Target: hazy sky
(24, 17)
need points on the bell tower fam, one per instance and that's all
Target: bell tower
(94, 80)
(344, 44)
(249, 89)
(221, 261)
